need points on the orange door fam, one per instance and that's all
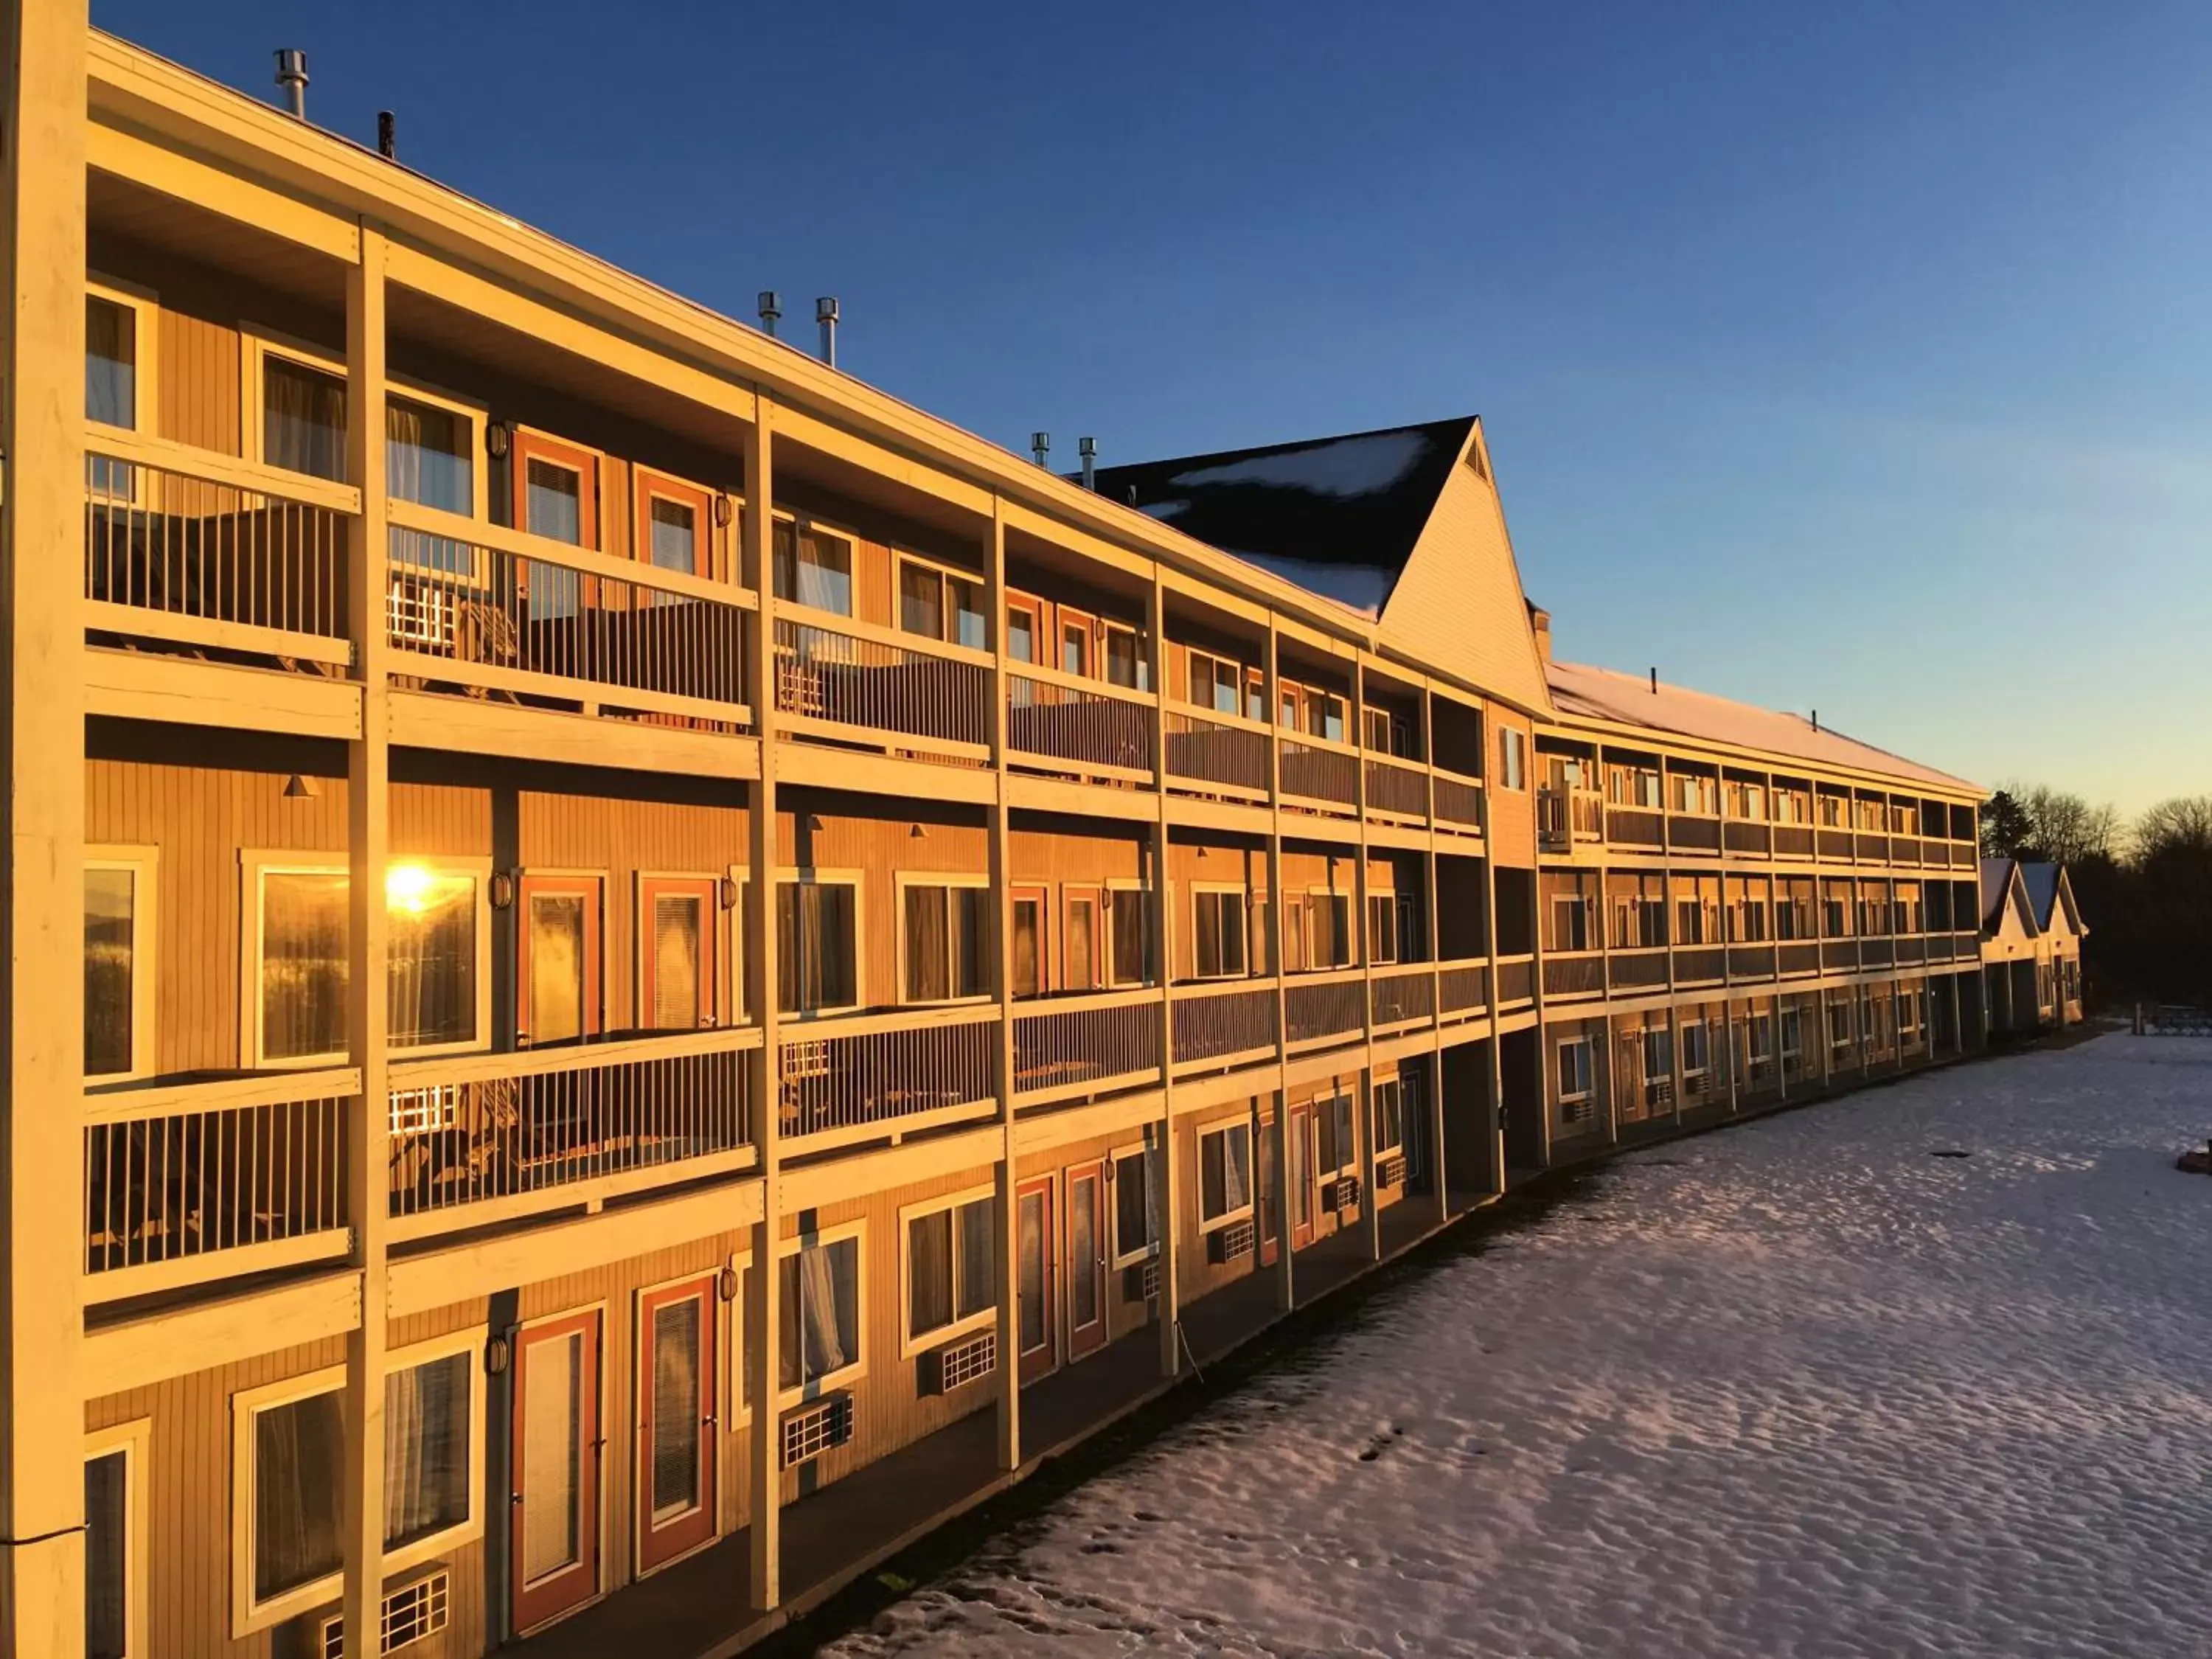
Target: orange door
(557, 995)
(1300, 1187)
(677, 1440)
(1086, 1258)
(557, 495)
(1035, 1324)
(554, 1512)
(676, 933)
(1271, 1196)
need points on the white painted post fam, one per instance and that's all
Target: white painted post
(1009, 1436)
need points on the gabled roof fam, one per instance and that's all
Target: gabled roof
(1629, 699)
(1339, 516)
(2051, 895)
(2004, 895)
(1998, 877)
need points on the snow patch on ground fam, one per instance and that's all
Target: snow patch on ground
(1799, 1388)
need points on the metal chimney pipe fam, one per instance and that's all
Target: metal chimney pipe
(825, 313)
(292, 75)
(771, 310)
(1040, 445)
(1088, 448)
(387, 136)
(1655, 681)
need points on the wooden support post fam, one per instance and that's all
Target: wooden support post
(762, 1316)
(1494, 1079)
(1170, 1204)
(1431, 907)
(1009, 1435)
(42, 132)
(1277, 900)
(368, 836)
(1363, 931)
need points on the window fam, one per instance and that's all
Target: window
(1219, 933)
(1790, 807)
(1075, 646)
(1030, 951)
(1339, 1143)
(1327, 716)
(115, 1542)
(435, 926)
(432, 1418)
(1125, 663)
(1388, 1098)
(290, 1444)
(1512, 756)
(1215, 683)
(952, 1267)
(1080, 939)
(817, 933)
(1831, 811)
(1839, 1024)
(1658, 1064)
(1136, 1219)
(1381, 927)
(813, 567)
(1758, 1045)
(301, 966)
(1575, 1069)
(1836, 909)
(942, 604)
(302, 408)
(1694, 792)
(675, 524)
(1793, 1031)
(1696, 1049)
(1634, 785)
(558, 988)
(1023, 629)
(120, 330)
(1570, 922)
(1132, 936)
(945, 938)
(821, 1311)
(429, 459)
(119, 963)
(1224, 1173)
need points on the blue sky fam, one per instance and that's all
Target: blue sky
(1855, 358)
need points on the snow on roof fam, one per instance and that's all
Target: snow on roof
(1338, 516)
(1605, 694)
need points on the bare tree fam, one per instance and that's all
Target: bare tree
(2180, 827)
(2063, 827)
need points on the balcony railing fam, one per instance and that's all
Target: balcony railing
(1875, 952)
(1398, 788)
(177, 1172)
(207, 550)
(1073, 1046)
(1458, 800)
(492, 609)
(1227, 753)
(1318, 1007)
(1792, 841)
(1911, 947)
(1463, 987)
(855, 1075)
(1633, 826)
(1741, 836)
(1751, 961)
(1963, 855)
(1223, 1021)
(1870, 847)
(1690, 834)
(1703, 965)
(1404, 995)
(1839, 953)
(1516, 980)
(479, 1128)
(1582, 975)
(1836, 844)
(1315, 770)
(1802, 957)
(1096, 729)
(1635, 970)
(839, 678)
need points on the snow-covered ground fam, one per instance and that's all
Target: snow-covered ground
(1800, 1387)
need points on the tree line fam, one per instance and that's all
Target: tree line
(2145, 887)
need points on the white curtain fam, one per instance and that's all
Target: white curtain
(1236, 1168)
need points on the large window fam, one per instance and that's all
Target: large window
(1658, 1065)
(433, 918)
(119, 963)
(813, 567)
(294, 1479)
(1027, 908)
(1215, 683)
(817, 933)
(1337, 1137)
(1136, 1204)
(429, 459)
(942, 604)
(1220, 932)
(821, 1312)
(1133, 935)
(1329, 941)
(1080, 943)
(946, 940)
(301, 966)
(1224, 1173)
(301, 411)
(430, 1418)
(110, 361)
(951, 1271)
(1575, 1069)
(1570, 922)
(1382, 942)
(1388, 1097)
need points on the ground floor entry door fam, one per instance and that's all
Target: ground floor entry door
(554, 1516)
(1300, 1183)
(1086, 1258)
(675, 1421)
(1036, 1269)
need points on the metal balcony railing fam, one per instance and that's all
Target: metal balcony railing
(1227, 753)
(873, 1069)
(1221, 1021)
(1067, 1045)
(1322, 1007)
(1094, 728)
(836, 677)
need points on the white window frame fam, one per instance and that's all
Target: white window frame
(256, 345)
(1149, 1152)
(469, 1527)
(910, 1342)
(805, 524)
(899, 559)
(1200, 892)
(739, 979)
(479, 419)
(134, 1440)
(1348, 1150)
(1587, 1068)
(144, 864)
(1224, 1127)
(856, 1368)
(1103, 948)
(1395, 1082)
(1388, 898)
(964, 880)
(1348, 941)
(1512, 758)
(145, 308)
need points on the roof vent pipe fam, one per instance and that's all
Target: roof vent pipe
(771, 310)
(292, 75)
(1655, 680)
(387, 136)
(1816, 720)
(1088, 448)
(825, 313)
(1040, 445)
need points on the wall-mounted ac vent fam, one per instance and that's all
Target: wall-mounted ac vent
(1230, 1244)
(970, 1359)
(418, 1608)
(1140, 1281)
(1391, 1171)
(1340, 1193)
(817, 1427)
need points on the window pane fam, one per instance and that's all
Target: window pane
(1031, 1268)
(927, 969)
(1021, 634)
(929, 1272)
(303, 418)
(1082, 975)
(1122, 658)
(426, 1449)
(557, 967)
(553, 502)
(299, 1477)
(1213, 1181)
(971, 931)
(822, 1326)
(433, 921)
(303, 964)
(110, 971)
(1083, 1251)
(969, 624)
(921, 601)
(823, 578)
(678, 924)
(979, 1276)
(110, 363)
(676, 1409)
(107, 1555)
(1130, 937)
(674, 526)
(552, 1454)
(429, 455)
(1133, 1209)
(1028, 916)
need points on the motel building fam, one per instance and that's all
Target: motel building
(637, 969)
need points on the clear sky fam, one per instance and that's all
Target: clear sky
(1848, 357)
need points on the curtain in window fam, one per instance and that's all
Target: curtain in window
(1081, 975)
(110, 363)
(676, 1379)
(928, 978)
(921, 602)
(813, 569)
(557, 967)
(1236, 1168)
(820, 1312)
(108, 971)
(1133, 1207)
(303, 419)
(432, 917)
(815, 963)
(1131, 963)
(1030, 1274)
(426, 1449)
(107, 1555)
(929, 1272)
(1027, 980)
(303, 964)
(675, 531)
(677, 930)
(430, 458)
(979, 1266)
(971, 925)
(298, 1473)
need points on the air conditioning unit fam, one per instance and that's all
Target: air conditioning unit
(1230, 1243)
(419, 614)
(817, 1427)
(1340, 1193)
(1140, 1281)
(419, 1607)
(970, 1359)
(1391, 1171)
